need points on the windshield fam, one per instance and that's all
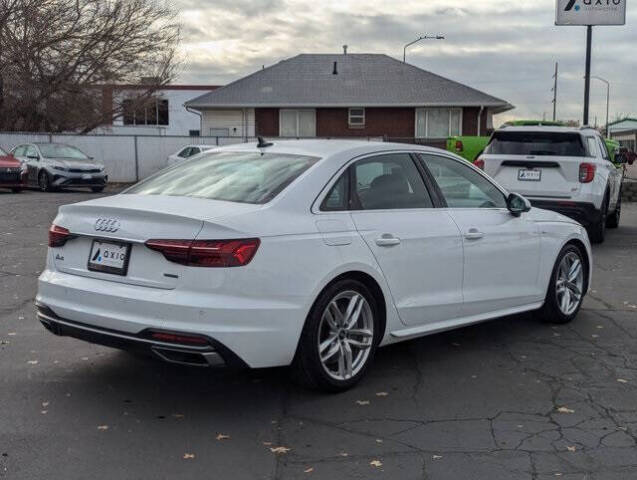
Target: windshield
(244, 177)
(50, 150)
(536, 143)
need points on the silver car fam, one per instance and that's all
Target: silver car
(53, 166)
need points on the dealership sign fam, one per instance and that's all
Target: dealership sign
(591, 12)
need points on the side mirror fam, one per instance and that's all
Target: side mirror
(517, 204)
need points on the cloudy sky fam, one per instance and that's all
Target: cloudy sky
(505, 48)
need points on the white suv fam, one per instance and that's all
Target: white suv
(564, 169)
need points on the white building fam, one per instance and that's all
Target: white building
(625, 132)
(165, 114)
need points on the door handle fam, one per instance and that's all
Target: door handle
(473, 234)
(387, 240)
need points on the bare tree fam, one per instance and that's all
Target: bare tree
(57, 57)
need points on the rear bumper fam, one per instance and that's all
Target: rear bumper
(212, 354)
(584, 213)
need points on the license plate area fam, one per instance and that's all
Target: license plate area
(109, 257)
(529, 175)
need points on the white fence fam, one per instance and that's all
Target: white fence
(127, 158)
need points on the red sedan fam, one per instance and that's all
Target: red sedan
(11, 173)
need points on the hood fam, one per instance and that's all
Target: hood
(541, 215)
(9, 161)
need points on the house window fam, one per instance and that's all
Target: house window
(356, 118)
(438, 122)
(152, 112)
(297, 123)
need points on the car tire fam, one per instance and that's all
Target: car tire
(331, 355)
(597, 231)
(563, 302)
(97, 189)
(613, 220)
(16, 190)
(43, 182)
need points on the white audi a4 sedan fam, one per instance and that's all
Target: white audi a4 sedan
(309, 253)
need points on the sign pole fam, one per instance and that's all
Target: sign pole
(587, 78)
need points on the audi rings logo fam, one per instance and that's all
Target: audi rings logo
(109, 225)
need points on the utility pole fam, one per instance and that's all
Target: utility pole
(587, 79)
(607, 99)
(555, 93)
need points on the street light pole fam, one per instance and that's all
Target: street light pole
(607, 99)
(424, 37)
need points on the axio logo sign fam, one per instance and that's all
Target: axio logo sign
(591, 12)
(570, 5)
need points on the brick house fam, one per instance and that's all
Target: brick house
(346, 95)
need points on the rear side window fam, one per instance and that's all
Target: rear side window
(389, 181)
(536, 143)
(244, 177)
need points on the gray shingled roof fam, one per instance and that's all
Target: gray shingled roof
(364, 80)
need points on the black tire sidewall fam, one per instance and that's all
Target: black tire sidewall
(46, 186)
(551, 312)
(597, 233)
(307, 353)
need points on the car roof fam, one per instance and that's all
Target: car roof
(326, 147)
(551, 129)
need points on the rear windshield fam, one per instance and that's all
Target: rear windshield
(232, 176)
(536, 143)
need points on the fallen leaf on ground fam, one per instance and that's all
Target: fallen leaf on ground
(188, 456)
(343, 454)
(267, 444)
(178, 415)
(571, 449)
(280, 450)
(32, 362)
(102, 427)
(378, 440)
(43, 412)
(45, 404)
(595, 335)
(436, 457)
(565, 410)
(11, 334)
(621, 380)
(381, 394)
(85, 358)
(308, 470)
(221, 436)
(376, 463)
(362, 402)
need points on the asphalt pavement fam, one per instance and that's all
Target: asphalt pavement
(508, 399)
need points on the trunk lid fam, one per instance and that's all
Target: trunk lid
(132, 220)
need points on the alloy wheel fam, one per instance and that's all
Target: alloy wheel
(346, 333)
(570, 283)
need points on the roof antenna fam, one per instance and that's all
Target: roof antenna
(262, 143)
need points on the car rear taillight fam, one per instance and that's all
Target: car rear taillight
(479, 163)
(586, 172)
(459, 146)
(207, 253)
(182, 338)
(58, 236)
